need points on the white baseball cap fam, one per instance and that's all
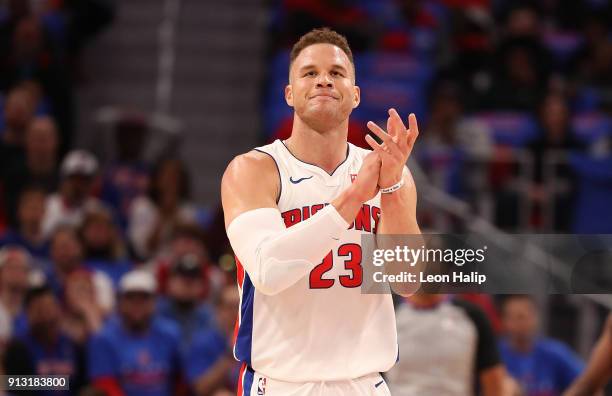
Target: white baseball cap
(79, 162)
(137, 281)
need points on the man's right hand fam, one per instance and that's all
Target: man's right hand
(364, 188)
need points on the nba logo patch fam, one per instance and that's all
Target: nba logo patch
(353, 177)
(261, 386)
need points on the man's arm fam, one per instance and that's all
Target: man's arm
(275, 257)
(398, 209)
(493, 381)
(214, 377)
(599, 367)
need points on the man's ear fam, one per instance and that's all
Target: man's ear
(289, 95)
(356, 96)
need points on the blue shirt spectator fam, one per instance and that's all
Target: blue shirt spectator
(135, 353)
(183, 302)
(542, 367)
(547, 370)
(42, 348)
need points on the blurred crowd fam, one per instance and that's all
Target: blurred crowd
(110, 273)
(513, 98)
(105, 271)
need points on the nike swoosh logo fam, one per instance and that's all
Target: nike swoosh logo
(298, 180)
(377, 385)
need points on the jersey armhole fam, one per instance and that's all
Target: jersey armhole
(280, 180)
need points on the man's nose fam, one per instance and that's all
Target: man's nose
(324, 81)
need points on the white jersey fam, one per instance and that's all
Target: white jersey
(322, 328)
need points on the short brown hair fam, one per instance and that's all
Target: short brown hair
(323, 35)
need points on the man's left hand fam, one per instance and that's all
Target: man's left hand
(396, 146)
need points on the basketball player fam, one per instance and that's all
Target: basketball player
(295, 211)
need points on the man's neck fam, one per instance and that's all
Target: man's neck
(326, 150)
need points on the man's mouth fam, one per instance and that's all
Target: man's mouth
(323, 96)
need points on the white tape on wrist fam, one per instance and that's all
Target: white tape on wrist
(393, 188)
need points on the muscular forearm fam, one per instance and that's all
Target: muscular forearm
(348, 204)
(398, 221)
(398, 216)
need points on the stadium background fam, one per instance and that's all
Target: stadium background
(514, 101)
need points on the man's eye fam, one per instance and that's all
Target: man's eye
(337, 73)
(310, 74)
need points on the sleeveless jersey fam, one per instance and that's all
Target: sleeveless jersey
(322, 328)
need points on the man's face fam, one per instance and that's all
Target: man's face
(41, 138)
(183, 245)
(322, 87)
(520, 319)
(77, 187)
(14, 272)
(31, 208)
(44, 313)
(136, 309)
(98, 234)
(184, 288)
(66, 251)
(18, 109)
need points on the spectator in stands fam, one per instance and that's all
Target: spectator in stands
(32, 56)
(188, 240)
(209, 364)
(68, 206)
(136, 354)
(83, 316)
(104, 248)
(44, 349)
(447, 128)
(522, 20)
(521, 77)
(40, 164)
(341, 15)
(449, 348)
(595, 33)
(15, 267)
(596, 74)
(453, 150)
(555, 141)
(18, 111)
(66, 258)
(28, 230)
(128, 177)
(540, 365)
(184, 302)
(154, 217)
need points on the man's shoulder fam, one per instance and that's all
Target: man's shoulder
(552, 348)
(251, 163)
(165, 329)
